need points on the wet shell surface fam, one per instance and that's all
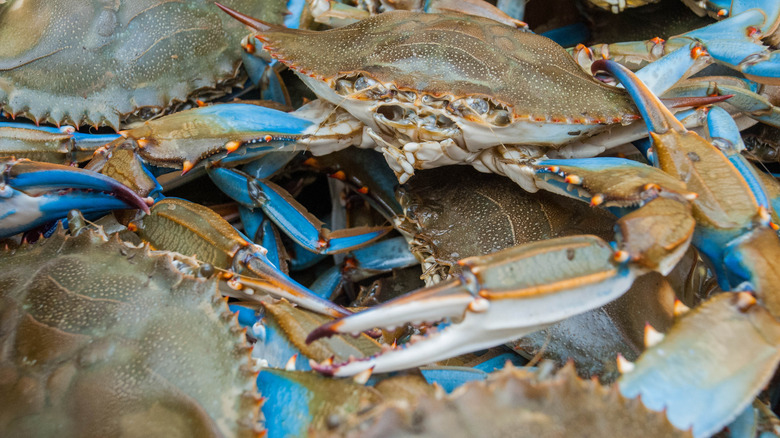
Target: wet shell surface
(116, 58)
(99, 339)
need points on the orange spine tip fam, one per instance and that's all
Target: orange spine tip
(621, 256)
(132, 227)
(723, 13)
(232, 146)
(573, 179)
(339, 175)
(363, 190)
(310, 162)
(774, 226)
(652, 336)
(657, 40)
(186, 166)
(290, 365)
(697, 51)
(745, 300)
(752, 31)
(624, 365)
(268, 138)
(235, 283)
(200, 103)
(362, 377)
(596, 200)
(142, 142)
(680, 308)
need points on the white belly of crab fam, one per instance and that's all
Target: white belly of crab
(472, 136)
(416, 132)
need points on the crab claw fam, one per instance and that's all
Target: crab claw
(231, 132)
(496, 298)
(34, 193)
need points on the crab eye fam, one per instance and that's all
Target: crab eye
(479, 105)
(363, 82)
(499, 117)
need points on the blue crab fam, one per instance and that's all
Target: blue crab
(453, 104)
(98, 340)
(116, 59)
(501, 296)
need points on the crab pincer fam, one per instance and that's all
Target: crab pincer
(34, 193)
(497, 298)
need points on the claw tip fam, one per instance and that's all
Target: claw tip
(362, 377)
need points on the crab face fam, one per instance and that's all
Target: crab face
(427, 77)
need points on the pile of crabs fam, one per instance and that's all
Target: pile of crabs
(311, 218)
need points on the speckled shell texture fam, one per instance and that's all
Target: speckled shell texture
(96, 61)
(99, 339)
(516, 403)
(457, 55)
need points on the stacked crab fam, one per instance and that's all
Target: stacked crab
(539, 247)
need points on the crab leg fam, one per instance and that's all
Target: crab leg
(382, 256)
(287, 213)
(725, 136)
(499, 297)
(194, 230)
(33, 193)
(735, 41)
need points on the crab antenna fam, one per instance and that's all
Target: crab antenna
(246, 19)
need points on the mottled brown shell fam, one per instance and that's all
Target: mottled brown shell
(456, 55)
(476, 213)
(515, 402)
(101, 339)
(95, 62)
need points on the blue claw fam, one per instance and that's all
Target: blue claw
(229, 133)
(289, 215)
(29, 194)
(736, 42)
